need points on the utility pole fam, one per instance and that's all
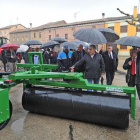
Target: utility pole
(75, 14)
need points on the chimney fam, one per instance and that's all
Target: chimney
(103, 15)
(30, 25)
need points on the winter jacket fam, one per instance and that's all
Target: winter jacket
(138, 69)
(3, 57)
(76, 56)
(93, 66)
(26, 59)
(64, 60)
(107, 61)
(127, 67)
(9, 54)
(53, 59)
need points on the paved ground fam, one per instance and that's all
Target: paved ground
(27, 126)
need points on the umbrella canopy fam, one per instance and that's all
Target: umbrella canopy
(10, 45)
(80, 42)
(32, 42)
(129, 41)
(59, 39)
(109, 34)
(90, 35)
(23, 48)
(70, 45)
(0, 50)
(49, 44)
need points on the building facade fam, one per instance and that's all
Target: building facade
(5, 31)
(51, 30)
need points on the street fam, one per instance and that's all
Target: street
(28, 126)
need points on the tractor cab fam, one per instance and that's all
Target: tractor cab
(3, 40)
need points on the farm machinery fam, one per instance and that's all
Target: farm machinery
(107, 105)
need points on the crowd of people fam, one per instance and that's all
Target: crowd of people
(93, 64)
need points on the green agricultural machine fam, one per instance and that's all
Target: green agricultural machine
(106, 105)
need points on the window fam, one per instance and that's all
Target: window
(57, 35)
(34, 35)
(49, 37)
(123, 47)
(66, 36)
(49, 31)
(40, 35)
(94, 27)
(17, 39)
(23, 38)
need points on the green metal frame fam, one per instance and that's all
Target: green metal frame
(4, 105)
(37, 76)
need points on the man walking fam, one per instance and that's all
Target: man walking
(111, 63)
(94, 65)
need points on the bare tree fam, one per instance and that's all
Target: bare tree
(132, 19)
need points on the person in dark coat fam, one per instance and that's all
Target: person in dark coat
(64, 59)
(46, 56)
(11, 59)
(111, 63)
(130, 79)
(4, 59)
(76, 56)
(137, 80)
(53, 56)
(26, 59)
(94, 65)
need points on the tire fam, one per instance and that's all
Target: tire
(2, 125)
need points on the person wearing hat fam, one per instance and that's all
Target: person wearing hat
(111, 63)
(64, 59)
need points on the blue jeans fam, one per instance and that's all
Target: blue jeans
(96, 81)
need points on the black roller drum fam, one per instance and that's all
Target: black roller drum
(93, 107)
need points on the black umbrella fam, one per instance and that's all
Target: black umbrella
(32, 42)
(90, 35)
(129, 41)
(109, 34)
(70, 45)
(49, 44)
(59, 39)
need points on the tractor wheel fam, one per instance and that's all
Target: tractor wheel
(3, 124)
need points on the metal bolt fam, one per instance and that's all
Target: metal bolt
(7, 109)
(1, 120)
(1, 113)
(7, 116)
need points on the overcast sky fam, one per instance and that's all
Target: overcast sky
(40, 12)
